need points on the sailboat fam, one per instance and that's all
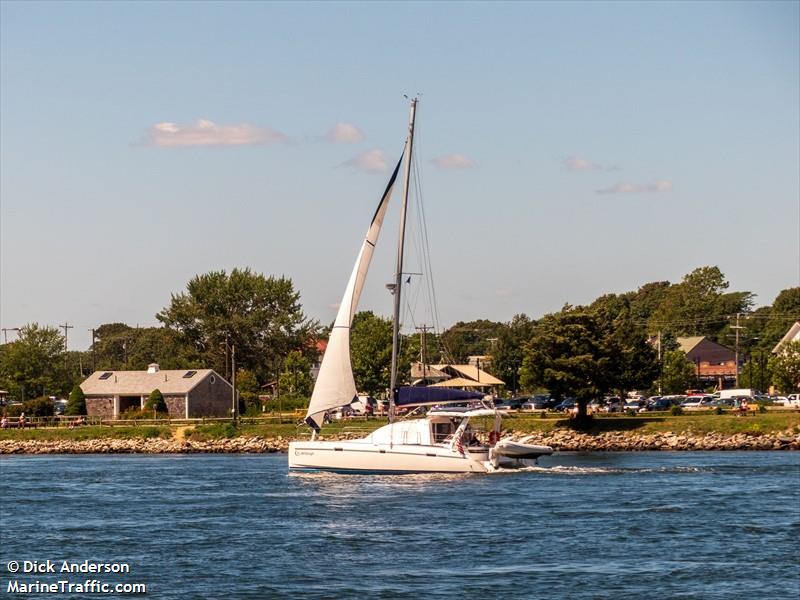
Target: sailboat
(444, 441)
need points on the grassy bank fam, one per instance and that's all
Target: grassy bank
(692, 423)
(727, 424)
(91, 432)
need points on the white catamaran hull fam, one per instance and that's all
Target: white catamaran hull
(366, 457)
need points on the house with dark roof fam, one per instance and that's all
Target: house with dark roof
(188, 393)
(714, 363)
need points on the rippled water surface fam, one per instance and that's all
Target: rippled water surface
(601, 525)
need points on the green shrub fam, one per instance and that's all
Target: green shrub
(718, 410)
(76, 405)
(155, 402)
(212, 431)
(38, 407)
(762, 407)
(152, 432)
(141, 413)
(676, 411)
(13, 410)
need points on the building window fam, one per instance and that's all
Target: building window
(106, 375)
(189, 374)
(213, 379)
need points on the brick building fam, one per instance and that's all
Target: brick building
(714, 363)
(188, 393)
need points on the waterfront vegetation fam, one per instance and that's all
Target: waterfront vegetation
(89, 432)
(687, 424)
(584, 352)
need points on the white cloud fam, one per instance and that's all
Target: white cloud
(504, 292)
(454, 161)
(345, 133)
(371, 161)
(208, 133)
(638, 188)
(575, 163)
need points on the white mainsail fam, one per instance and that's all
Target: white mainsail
(335, 385)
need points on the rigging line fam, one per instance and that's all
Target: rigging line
(421, 232)
(434, 305)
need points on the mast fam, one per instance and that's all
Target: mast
(398, 280)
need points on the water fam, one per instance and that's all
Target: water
(585, 526)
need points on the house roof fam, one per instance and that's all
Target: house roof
(429, 372)
(460, 382)
(137, 383)
(687, 344)
(471, 372)
(791, 336)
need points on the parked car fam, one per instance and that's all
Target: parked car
(635, 406)
(698, 401)
(659, 403)
(539, 402)
(610, 404)
(793, 400)
(511, 403)
(565, 406)
(364, 405)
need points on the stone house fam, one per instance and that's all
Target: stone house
(188, 393)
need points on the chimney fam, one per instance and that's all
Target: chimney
(152, 368)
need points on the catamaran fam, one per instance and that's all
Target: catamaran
(444, 441)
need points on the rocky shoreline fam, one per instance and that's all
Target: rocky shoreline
(559, 440)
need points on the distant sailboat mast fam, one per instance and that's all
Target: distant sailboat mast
(398, 281)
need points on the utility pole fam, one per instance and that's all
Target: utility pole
(233, 383)
(660, 366)
(5, 333)
(94, 362)
(423, 347)
(736, 348)
(66, 327)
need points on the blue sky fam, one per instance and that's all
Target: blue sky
(566, 149)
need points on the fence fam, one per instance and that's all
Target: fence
(71, 421)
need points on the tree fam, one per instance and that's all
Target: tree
(678, 374)
(76, 405)
(38, 407)
(248, 388)
(261, 316)
(295, 380)
(473, 338)
(632, 361)
(34, 363)
(698, 306)
(371, 352)
(507, 353)
(565, 356)
(119, 346)
(785, 368)
(777, 319)
(155, 402)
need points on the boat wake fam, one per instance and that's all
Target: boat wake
(577, 470)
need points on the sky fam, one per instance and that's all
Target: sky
(564, 150)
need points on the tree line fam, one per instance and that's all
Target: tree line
(258, 322)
